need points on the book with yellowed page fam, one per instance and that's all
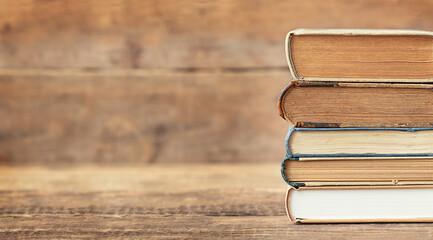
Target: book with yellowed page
(337, 104)
(356, 55)
(359, 174)
(359, 189)
(355, 143)
(361, 145)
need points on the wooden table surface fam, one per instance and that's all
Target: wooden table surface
(164, 201)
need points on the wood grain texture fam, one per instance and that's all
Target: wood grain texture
(119, 117)
(180, 34)
(163, 201)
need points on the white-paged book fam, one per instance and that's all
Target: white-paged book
(360, 204)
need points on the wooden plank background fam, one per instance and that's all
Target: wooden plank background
(181, 33)
(113, 113)
(133, 81)
(140, 117)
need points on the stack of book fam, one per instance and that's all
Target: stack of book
(360, 145)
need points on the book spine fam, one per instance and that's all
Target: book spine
(289, 157)
(280, 104)
(285, 177)
(287, 205)
(287, 142)
(289, 56)
(285, 93)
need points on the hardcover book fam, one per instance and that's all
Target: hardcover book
(361, 149)
(319, 104)
(359, 175)
(360, 55)
(360, 204)
(357, 172)
(349, 143)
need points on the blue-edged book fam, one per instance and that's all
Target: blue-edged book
(340, 143)
(353, 154)
(362, 106)
(359, 175)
